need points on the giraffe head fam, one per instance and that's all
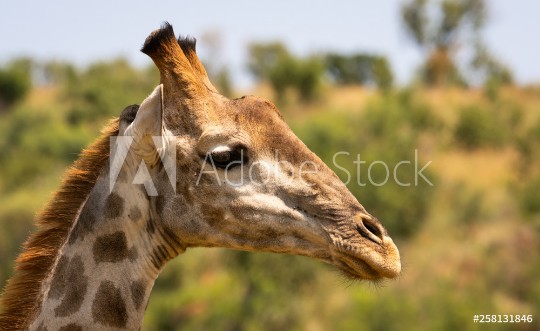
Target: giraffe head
(243, 179)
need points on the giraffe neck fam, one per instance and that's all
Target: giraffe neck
(106, 269)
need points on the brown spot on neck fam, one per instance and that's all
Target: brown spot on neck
(112, 248)
(109, 308)
(72, 285)
(59, 280)
(114, 206)
(71, 327)
(85, 222)
(138, 291)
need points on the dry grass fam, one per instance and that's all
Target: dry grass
(481, 169)
(45, 95)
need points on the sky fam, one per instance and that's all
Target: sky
(88, 31)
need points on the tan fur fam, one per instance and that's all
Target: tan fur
(188, 46)
(21, 298)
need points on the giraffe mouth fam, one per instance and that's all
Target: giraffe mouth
(369, 261)
(357, 269)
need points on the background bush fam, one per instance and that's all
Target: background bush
(477, 128)
(15, 81)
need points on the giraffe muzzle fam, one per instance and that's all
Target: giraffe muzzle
(366, 251)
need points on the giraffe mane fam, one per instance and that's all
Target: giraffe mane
(22, 295)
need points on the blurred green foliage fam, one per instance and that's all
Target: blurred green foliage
(94, 92)
(478, 128)
(361, 69)
(531, 197)
(274, 63)
(15, 81)
(469, 245)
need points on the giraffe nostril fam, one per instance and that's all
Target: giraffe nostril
(370, 230)
(373, 228)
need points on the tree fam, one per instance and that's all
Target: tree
(57, 72)
(439, 29)
(363, 69)
(489, 70)
(272, 62)
(15, 81)
(263, 58)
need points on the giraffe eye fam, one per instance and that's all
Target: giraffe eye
(226, 158)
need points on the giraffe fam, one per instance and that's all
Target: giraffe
(242, 181)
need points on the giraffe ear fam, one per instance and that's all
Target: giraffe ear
(148, 123)
(149, 118)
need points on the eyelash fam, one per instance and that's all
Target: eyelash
(229, 159)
